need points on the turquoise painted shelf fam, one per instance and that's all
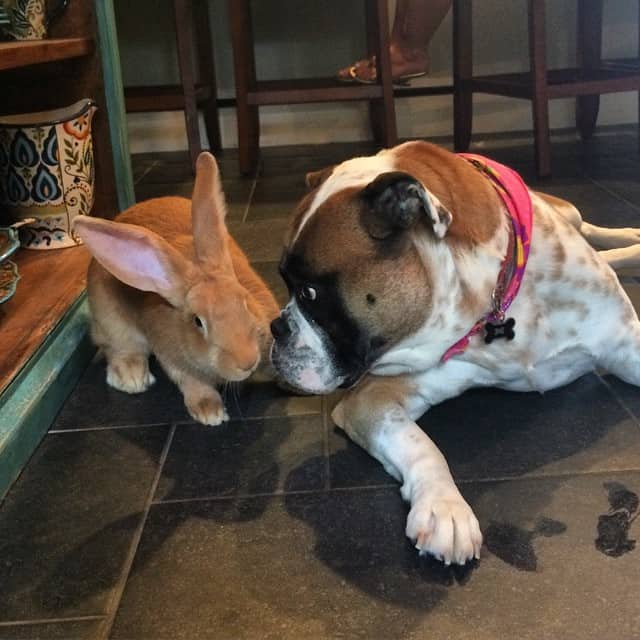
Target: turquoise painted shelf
(35, 393)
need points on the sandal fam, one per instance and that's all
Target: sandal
(353, 74)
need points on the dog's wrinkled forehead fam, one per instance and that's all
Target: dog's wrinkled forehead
(347, 177)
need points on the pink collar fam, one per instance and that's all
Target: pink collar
(516, 197)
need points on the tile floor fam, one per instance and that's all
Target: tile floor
(130, 522)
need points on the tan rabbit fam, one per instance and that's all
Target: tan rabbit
(168, 279)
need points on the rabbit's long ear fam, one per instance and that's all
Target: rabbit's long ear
(208, 211)
(136, 256)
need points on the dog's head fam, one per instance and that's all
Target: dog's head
(366, 263)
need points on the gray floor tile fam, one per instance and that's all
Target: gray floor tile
(269, 272)
(597, 205)
(276, 197)
(255, 399)
(628, 394)
(338, 565)
(147, 190)
(552, 478)
(488, 433)
(72, 630)
(261, 240)
(93, 403)
(624, 183)
(67, 523)
(244, 457)
(236, 194)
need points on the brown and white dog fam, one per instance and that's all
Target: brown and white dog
(390, 260)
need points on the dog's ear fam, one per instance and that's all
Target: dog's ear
(314, 179)
(395, 201)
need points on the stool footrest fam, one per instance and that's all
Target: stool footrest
(161, 97)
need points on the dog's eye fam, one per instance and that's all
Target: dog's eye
(199, 322)
(307, 293)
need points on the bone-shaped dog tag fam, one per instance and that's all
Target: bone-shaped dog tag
(493, 331)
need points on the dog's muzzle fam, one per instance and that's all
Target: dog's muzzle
(302, 354)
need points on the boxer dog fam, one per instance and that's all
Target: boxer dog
(416, 274)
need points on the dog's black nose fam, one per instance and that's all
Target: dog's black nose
(280, 328)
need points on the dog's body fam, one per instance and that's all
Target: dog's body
(388, 270)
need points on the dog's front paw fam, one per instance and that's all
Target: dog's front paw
(208, 409)
(445, 527)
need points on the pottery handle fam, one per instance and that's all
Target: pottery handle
(54, 11)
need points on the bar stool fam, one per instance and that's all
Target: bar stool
(587, 82)
(252, 94)
(192, 28)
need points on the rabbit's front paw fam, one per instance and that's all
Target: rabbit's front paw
(207, 409)
(129, 373)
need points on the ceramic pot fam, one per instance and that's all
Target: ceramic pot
(47, 172)
(30, 19)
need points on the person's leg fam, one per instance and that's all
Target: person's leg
(414, 25)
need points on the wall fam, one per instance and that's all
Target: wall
(296, 38)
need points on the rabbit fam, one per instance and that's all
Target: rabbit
(167, 278)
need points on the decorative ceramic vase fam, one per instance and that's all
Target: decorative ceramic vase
(47, 172)
(30, 19)
(9, 276)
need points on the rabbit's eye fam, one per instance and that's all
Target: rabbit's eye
(307, 293)
(199, 322)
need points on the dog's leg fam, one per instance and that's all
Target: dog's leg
(605, 238)
(622, 258)
(622, 358)
(598, 237)
(377, 415)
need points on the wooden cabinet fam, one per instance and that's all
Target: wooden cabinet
(43, 343)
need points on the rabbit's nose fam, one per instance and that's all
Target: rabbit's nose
(247, 362)
(280, 328)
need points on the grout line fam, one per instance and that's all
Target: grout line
(245, 215)
(18, 623)
(234, 418)
(547, 476)
(181, 423)
(114, 601)
(391, 485)
(619, 400)
(613, 193)
(153, 165)
(324, 407)
(107, 428)
(273, 494)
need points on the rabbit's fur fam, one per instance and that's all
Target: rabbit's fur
(168, 279)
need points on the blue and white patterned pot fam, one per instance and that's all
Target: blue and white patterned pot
(47, 172)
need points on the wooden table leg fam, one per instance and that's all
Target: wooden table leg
(185, 37)
(207, 68)
(589, 57)
(462, 74)
(539, 92)
(245, 75)
(382, 110)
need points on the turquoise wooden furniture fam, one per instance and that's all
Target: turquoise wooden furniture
(30, 400)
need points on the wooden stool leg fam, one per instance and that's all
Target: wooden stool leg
(375, 112)
(462, 74)
(382, 110)
(539, 92)
(184, 36)
(207, 67)
(589, 57)
(245, 75)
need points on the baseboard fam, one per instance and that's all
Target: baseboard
(30, 403)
